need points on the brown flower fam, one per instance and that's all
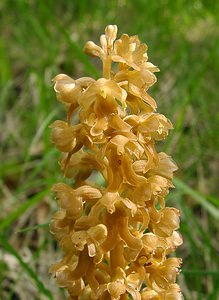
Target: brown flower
(68, 90)
(130, 51)
(106, 41)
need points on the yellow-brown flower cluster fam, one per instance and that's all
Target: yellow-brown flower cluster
(116, 237)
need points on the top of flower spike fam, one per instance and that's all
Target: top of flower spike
(106, 41)
(133, 75)
(127, 50)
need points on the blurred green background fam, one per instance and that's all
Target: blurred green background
(40, 39)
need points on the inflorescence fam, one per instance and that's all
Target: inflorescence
(117, 237)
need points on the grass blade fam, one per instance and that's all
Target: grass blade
(21, 209)
(213, 211)
(201, 272)
(9, 248)
(26, 229)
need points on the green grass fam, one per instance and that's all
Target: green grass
(43, 38)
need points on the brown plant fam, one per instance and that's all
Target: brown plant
(116, 237)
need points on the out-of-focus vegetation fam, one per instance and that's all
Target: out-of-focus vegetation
(40, 39)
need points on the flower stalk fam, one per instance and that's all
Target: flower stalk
(116, 237)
